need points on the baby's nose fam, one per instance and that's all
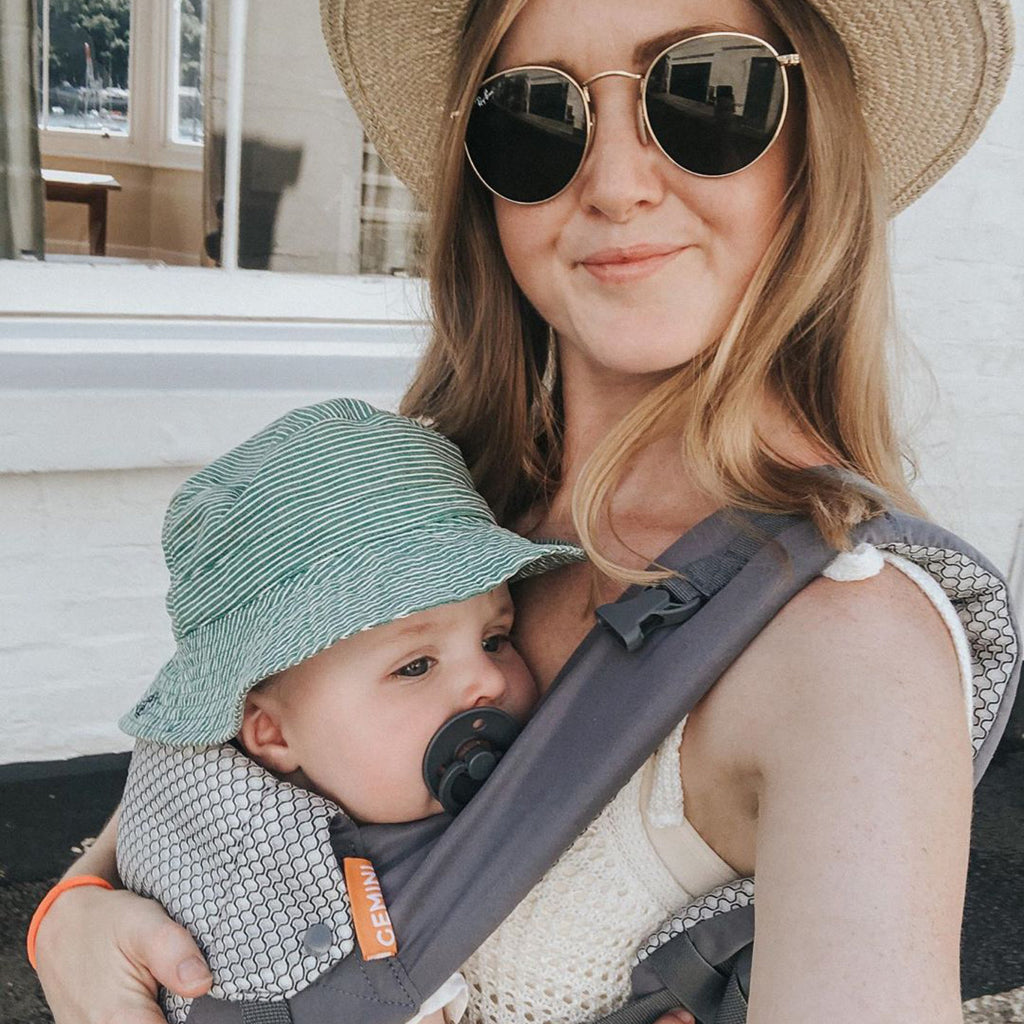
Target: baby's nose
(486, 685)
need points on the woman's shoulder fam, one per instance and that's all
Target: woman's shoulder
(867, 659)
(844, 623)
(847, 688)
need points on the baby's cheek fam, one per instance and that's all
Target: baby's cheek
(523, 691)
(394, 788)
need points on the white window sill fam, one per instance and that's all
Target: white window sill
(72, 144)
(131, 366)
(33, 288)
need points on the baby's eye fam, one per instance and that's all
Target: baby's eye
(419, 667)
(496, 643)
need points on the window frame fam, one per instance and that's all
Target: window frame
(148, 142)
(173, 60)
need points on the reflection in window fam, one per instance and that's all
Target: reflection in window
(390, 225)
(187, 98)
(84, 48)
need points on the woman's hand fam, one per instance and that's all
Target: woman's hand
(677, 1016)
(102, 954)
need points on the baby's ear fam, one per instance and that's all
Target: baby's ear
(261, 734)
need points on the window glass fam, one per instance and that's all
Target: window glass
(390, 224)
(84, 59)
(315, 197)
(187, 112)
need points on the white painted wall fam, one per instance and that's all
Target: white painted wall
(98, 425)
(100, 422)
(959, 270)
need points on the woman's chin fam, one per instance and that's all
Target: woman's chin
(607, 356)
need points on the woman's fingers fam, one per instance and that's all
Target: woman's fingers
(162, 950)
(677, 1016)
(101, 955)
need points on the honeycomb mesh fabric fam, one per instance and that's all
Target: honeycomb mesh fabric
(983, 607)
(242, 860)
(719, 901)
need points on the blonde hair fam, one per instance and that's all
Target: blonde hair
(813, 326)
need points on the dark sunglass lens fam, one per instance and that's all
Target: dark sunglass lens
(527, 134)
(715, 102)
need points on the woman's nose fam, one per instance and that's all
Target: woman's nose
(621, 171)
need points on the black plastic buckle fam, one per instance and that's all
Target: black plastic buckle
(633, 620)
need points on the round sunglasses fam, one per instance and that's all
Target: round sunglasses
(713, 104)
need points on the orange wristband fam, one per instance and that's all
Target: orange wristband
(62, 886)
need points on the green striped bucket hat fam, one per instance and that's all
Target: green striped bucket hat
(336, 518)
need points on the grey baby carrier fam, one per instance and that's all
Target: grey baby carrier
(251, 865)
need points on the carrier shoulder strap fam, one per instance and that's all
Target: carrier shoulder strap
(738, 570)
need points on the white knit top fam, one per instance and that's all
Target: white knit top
(565, 953)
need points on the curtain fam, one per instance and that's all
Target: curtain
(21, 185)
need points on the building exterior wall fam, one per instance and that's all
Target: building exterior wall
(87, 465)
(959, 282)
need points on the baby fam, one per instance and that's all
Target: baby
(338, 592)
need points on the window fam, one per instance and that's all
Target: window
(84, 61)
(313, 196)
(122, 80)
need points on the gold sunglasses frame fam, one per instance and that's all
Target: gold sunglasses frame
(644, 127)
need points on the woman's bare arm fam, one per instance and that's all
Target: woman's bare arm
(101, 954)
(863, 810)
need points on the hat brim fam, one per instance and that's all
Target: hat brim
(928, 75)
(199, 695)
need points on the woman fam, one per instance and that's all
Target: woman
(624, 344)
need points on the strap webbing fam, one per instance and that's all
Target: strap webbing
(634, 617)
(266, 1013)
(707, 576)
(733, 1009)
(645, 1010)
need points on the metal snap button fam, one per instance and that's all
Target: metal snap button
(318, 939)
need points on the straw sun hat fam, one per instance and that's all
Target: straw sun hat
(929, 74)
(336, 518)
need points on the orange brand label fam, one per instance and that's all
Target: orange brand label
(374, 933)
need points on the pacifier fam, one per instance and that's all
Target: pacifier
(463, 753)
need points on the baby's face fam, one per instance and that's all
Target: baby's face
(358, 716)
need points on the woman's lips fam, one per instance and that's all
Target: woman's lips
(629, 264)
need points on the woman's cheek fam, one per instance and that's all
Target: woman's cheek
(528, 240)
